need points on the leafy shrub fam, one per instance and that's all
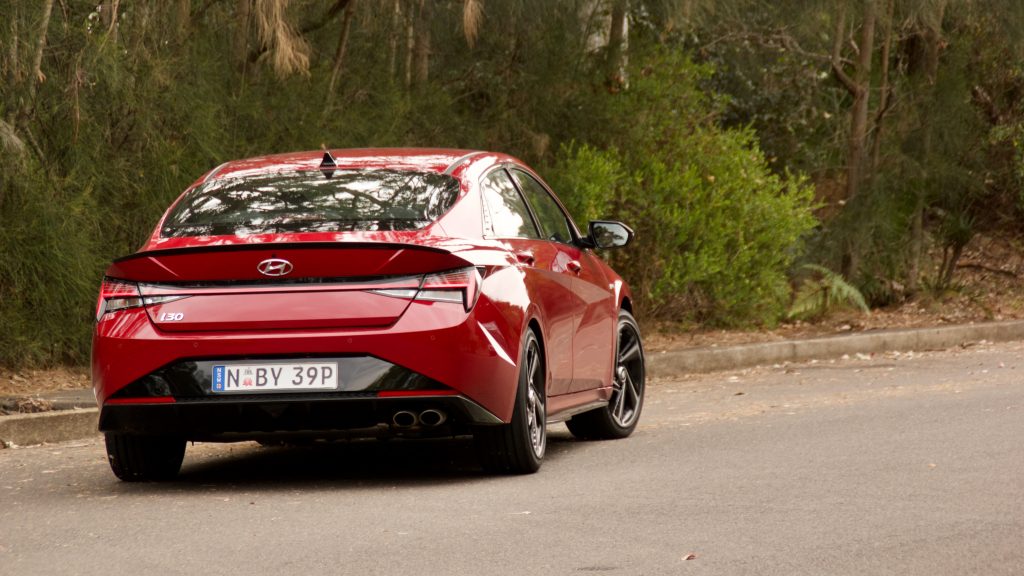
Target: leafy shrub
(48, 282)
(823, 291)
(716, 229)
(591, 181)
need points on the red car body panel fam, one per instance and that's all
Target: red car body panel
(565, 290)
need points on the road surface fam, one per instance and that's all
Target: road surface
(896, 464)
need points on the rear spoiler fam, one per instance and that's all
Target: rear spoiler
(306, 260)
(275, 246)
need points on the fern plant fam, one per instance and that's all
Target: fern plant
(823, 291)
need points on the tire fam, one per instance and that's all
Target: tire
(136, 458)
(619, 418)
(518, 447)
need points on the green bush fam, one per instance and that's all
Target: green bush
(716, 229)
(589, 180)
(48, 279)
(822, 291)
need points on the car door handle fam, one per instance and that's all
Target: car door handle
(574, 266)
(525, 257)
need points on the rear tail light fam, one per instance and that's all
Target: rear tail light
(457, 286)
(117, 295)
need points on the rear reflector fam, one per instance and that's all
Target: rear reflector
(142, 400)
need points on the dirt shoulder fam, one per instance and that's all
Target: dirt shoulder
(31, 382)
(988, 286)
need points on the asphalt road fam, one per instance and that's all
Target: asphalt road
(891, 465)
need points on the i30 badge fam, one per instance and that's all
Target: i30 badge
(274, 267)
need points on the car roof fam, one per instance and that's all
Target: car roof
(421, 159)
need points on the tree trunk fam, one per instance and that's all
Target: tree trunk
(615, 71)
(950, 257)
(339, 54)
(243, 20)
(183, 18)
(932, 35)
(421, 47)
(859, 86)
(884, 90)
(410, 43)
(861, 97)
(37, 77)
(396, 23)
(109, 12)
(14, 67)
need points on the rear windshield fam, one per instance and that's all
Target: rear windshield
(308, 201)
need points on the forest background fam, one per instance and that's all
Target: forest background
(777, 158)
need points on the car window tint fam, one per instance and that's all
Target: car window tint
(551, 217)
(309, 201)
(508, 214)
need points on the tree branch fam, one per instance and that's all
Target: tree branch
(333, 11)
(1008, 273)
(844, 78)
(308, 27)
(835, 60)
(37, 77)
(982, 98)
(339, 55)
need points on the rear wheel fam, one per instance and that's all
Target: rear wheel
(518, 447)
(619, 418)
(135, 458)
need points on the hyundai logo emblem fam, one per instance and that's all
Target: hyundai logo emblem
(274, 267)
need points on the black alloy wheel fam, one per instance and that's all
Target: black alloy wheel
(619, 418)
(519, 446)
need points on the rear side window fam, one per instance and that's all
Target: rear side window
(307, 201)
(507, 214)
(551, 217)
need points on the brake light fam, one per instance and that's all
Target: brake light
(117, 295)
(458, 286)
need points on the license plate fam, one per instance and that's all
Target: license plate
(257, 378)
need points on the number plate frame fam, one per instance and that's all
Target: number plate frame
(274, 377)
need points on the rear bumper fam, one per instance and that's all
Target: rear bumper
(471, 354)
(313, 415)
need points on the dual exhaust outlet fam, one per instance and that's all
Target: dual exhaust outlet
(428, 418)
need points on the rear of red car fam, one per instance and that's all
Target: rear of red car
(290, 300)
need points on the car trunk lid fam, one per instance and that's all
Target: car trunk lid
(280, 287)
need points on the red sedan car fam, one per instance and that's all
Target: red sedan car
(377, 292)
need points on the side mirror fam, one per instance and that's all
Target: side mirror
(609, 234)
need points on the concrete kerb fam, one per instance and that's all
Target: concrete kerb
(62, 425)
(677, 362)
(48, 427)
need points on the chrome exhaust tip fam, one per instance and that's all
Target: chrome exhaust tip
(432, 418)
(404, 419)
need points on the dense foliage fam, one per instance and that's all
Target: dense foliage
(718, 229)
(691, 120)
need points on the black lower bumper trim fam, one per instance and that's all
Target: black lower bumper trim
(193, 378)
(256, 417)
